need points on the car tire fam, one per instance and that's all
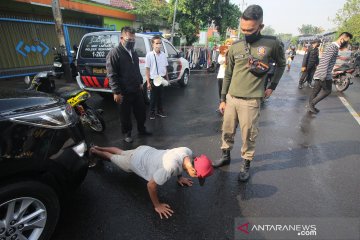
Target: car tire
(28, 197)
(183, 82)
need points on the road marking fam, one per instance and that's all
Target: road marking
(351, 109)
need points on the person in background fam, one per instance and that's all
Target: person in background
(291, 56)
(125, 80)
(222, 62)
(323, 74)
(309, 64)
(156, 66)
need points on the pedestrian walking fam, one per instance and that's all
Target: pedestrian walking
(291, 56)
(125, 80)
(222, 62)
(157, 167)
(309, 64)
(323, 74)
(156, 67)
(243, 86)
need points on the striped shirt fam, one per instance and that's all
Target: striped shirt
(327, 62)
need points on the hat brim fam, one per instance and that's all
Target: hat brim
(201, 181)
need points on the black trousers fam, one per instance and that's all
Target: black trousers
(307, 75)
(134, 102)
(220, 81)
(321, 90)
(156, 96)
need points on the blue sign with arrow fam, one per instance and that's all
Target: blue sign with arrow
(24, 50)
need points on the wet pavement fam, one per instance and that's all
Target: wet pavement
(305, 166)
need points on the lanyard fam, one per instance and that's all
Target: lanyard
(157, 70)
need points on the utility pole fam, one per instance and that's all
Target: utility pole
(60, 35)
(173, 25)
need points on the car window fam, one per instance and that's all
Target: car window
(170, 49)
(140, 47)
(98, 46)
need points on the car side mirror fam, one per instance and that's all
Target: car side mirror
(181, 54)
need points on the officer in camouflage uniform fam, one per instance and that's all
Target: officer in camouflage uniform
(242, 90)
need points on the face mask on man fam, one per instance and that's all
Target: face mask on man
(344, 44)
(129, 44)
(251, 38)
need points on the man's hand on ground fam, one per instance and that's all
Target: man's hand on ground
(185, 182)
(164, 209)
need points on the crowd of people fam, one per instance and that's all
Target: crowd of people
(250, 70)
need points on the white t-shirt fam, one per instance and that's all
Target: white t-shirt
(160, 165)
(221, 61)
(161, 61)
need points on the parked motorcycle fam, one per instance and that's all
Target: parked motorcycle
(58, 64)
(45, 82)
(342, 76)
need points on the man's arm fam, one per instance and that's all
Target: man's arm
(112, 64)
(228, 74)
(162, 208)
(279, 57)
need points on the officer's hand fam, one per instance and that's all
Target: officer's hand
(148, 85)
(268, 92)
(222, 107)
(303, 69)
(117, 98)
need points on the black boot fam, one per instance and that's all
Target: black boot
(244, 174)
(224, 160)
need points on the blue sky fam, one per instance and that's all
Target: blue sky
(286, 16)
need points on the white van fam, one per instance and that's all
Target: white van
(91, 60)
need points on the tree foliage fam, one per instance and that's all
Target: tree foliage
(309, 29)
(192, 15)
(152, 12)
(348, 19)
(268, 30)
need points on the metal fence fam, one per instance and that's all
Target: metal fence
(26, 45)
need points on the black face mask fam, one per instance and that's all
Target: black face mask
(344, 44)
(129, 45)
(251, 38)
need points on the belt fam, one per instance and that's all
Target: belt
(244, 98)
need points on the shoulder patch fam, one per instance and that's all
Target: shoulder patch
(261, 51)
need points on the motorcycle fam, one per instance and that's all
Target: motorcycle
(44, 82)
(58, 63)
(342, 76)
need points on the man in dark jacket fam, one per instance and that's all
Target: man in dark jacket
(125, 80)
(310, 62)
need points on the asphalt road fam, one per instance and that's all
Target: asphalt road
(305, 166)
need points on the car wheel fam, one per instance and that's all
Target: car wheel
(28, 210)
(183, 82)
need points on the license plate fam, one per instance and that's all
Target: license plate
(99, 70)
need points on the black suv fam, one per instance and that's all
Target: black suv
(42, 151)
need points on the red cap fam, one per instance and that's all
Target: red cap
(203, 167)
